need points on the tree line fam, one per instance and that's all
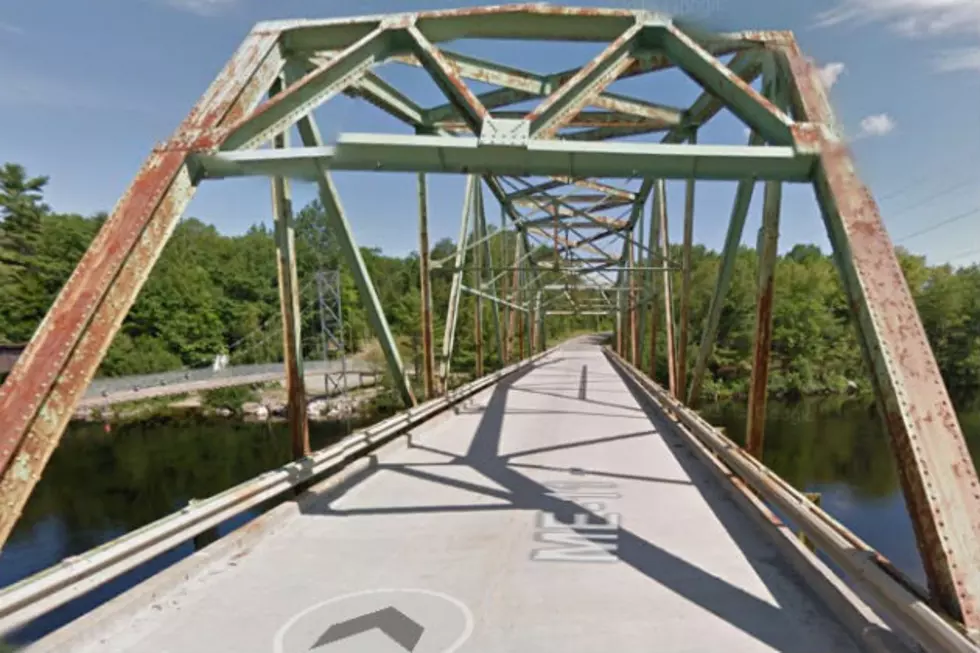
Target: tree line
(212, 294)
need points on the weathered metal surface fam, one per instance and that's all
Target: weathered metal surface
(634, 324)
(582, 88)
(478, 296)
(660, 202)
(337, 222)
(455, 290)
(40, 394)
(654, 242)
(428, 357)
(448, 81)
(289, 304)
(762, 344)
(743, 100)
(740, 211)
(685, 308)
(464, 155)
(938, 476)
(306, 94)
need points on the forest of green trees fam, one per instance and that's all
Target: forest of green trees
(211, 294)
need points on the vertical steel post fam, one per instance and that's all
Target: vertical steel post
(660, 200)
(619, 323)
(740, 210)
(505, 292)
(282, 208)
(456, 289)
(630, 263)
(428, 362)
(686, 280)
(644, 289)
(768, 243)
(488, 268)
(340, 227)
(653, 246)
(478, 282)
(516, 318)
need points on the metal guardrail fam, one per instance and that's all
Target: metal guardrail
(857, 560)
(39, 594)
(128, 388)
(104, 385)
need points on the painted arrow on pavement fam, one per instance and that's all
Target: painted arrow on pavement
(391, 621)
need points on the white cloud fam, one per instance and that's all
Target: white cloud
(963, 59)
(877, 125)
(913, 19)
(11, 29)
(830, 73)
(203, 7)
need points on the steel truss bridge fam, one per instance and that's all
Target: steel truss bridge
(575, 444)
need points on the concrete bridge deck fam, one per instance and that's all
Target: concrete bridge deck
(457, 532)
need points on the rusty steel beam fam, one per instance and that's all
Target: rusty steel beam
(654, 240)
(767, 247)
(40, 395)
(660, 203)
(685, 309)
(762, 344)
(584, 86)
(448, 80)
(938, 476)
(289, 303)
(634, 335)
(428, 355)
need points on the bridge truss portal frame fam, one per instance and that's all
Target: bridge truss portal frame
(284, 70)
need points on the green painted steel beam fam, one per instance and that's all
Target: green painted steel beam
(439, 154)
(374, 90)
(302, 97)
(746, 66)
(340, 229)
(583, 87)
(448, 80)
(740, 211)
(487, 260)
(743, 100)
(455, 290)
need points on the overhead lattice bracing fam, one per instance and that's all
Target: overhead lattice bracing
(574, 163)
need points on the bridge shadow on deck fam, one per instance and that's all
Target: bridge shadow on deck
(760, 619)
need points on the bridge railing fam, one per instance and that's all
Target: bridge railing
(126, 388)
(869, 571)
(73, 577)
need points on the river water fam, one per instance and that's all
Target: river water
(100, 485)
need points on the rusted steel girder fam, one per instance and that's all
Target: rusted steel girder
(292, 342)
(39, 397)
(660, 202)
(428, 357)
(685, 310)
(759, 380)
(634, 335)
(938, 476)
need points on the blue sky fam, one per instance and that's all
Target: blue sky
(87, 88)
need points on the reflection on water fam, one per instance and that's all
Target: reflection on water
(839, 447)
(100, 485)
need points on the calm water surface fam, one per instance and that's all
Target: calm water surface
(101, 485)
